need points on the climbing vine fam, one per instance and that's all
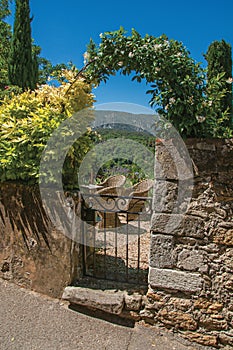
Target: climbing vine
(178, 85)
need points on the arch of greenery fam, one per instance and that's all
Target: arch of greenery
(179, 88)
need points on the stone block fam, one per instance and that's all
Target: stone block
(213, 324)
(175, 280)
(161, 250)
(204, 339)
(178, 225)
(202, 304)
(192, 260)
(133, 302)
(172, 166)
(229, 282)
(172, 196)
(95, 299)
(215, 308)
(227, 258)
(172, 161)
(181, 304)
(177, 319)
(204, 146)
(223, 236)
(226, 339)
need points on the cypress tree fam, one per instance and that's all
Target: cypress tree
(23, 68)
(219, 58)
(5, 37)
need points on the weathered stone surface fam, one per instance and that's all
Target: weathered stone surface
(215, 307)
(203, 153)
(201, 248)
(33, 253)
(209, 340)
(204, 146)
(97, 299)
(161, 251)
(226, 339)
(213, 324)
(223, 236)
(132, 315)
(229, 283)
(180, 304)
(172, 197)
(177, 224)
(133, 302)
(151, 294)
(175, 280)
(156, 306)
(192, 260)
(227, 258)
(177, 319)
(202, 303)
(147, 316)
(172, 161)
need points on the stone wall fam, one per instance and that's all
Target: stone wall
(191, 265)
(190, 273)
(33, 253)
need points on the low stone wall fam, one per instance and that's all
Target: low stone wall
(33, 253)
(190, 274)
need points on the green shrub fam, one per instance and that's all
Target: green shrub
(27, 120)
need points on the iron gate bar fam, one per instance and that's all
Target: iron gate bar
(105, 247)
(116, 241)
(127, 251)
(139, 246)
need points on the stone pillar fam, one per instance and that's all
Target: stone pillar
(191, 254)
(170, 225)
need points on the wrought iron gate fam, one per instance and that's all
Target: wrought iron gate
(116, 235)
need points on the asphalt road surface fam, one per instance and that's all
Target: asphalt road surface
(30, 321)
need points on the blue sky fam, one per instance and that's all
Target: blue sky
(64, 28)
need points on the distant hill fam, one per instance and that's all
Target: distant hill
(115, 120)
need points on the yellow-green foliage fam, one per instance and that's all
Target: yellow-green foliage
(27, 121)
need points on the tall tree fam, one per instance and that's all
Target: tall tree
(23, 66)
(5, 37)
(219, 58)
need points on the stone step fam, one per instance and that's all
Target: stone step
(105, 300)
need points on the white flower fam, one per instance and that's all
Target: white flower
(157, 46)
(191, 101)
(86, 56)
(210, 103)
(229, 80)
(172, 100)
(120, 64)
(131, 54)
(200, 118)
(101, 35)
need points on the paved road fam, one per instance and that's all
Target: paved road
(30, 321)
